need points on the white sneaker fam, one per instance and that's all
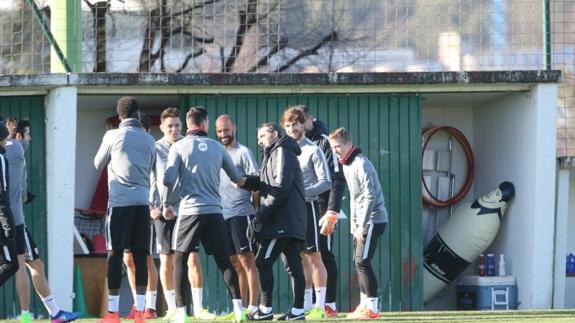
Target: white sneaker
(179, 317)
(204, 314)
(170, 315)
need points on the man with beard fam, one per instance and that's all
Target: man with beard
(329, 204)
(28, 256)
(171, 125)
(280, 222)
(195, 161)
(8, 256)
(317, 180)
(238, 211)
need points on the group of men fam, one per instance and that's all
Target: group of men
(198, 189)
(19, 251)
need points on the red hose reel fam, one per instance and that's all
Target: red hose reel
(431, 200)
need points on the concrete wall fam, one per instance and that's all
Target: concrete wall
(515, 141)
(460, 117)
(513, 138)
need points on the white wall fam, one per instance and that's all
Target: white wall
(515, 141)
(60, 106)
(91, 129)
(460, 117)
(92, 114)
(513, 138)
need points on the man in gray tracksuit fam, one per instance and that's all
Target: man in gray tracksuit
(26, 249)
(367, 220)
(130, 154)
(170, 125)
(195, 161)
(238, 211)
(8, 257)
(317, 180)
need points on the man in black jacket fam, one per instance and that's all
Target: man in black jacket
(280, 223)
(329, 204)
(8, 257)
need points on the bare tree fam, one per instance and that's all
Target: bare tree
(159, 24)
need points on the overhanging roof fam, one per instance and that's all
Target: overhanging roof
(172, 83)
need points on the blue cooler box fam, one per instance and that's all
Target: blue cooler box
(487, 293)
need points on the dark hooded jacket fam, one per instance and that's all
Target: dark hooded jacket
(6, 218)
(331, 199)
(282, 209)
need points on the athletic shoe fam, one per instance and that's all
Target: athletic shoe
(110, 317)
(180, 317)
(330, 312)
(139, 317)
(150, 314)
(204, 314)
(292, 317)
(356, 312)
(231, 316)
(363, 314)
(132, 313)
(242, 317)
(315, 313)
(259, 316)
(170, 315)
(25, 318)
(63, 317)
(228, 317)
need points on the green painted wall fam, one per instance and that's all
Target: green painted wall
(387, 128)
(31, 107)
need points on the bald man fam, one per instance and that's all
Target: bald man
(238, 211)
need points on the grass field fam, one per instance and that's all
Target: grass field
(554, 316)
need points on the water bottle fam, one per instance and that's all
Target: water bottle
(502, 271)
(490, 264)
(571, 264)
(481, 265)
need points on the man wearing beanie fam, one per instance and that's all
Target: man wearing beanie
(8, 258)
(130, 154)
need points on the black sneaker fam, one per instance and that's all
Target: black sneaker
(259, 316)
(292, 317)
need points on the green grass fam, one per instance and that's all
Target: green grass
(551, 316)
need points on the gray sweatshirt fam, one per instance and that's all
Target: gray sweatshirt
(17, 179)
(157, 188)
(316, 177)
(131, 154)
(237, 201)
(366, 197)
(196, 162)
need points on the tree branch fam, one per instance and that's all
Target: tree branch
(205, 3)
(247, 20)
(189, 57)
(309, 52)
(265, 60)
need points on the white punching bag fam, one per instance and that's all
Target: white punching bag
(466, 235)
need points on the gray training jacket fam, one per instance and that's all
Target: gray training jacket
(316, 177)
(131, 154)
(157, 188)
(196, 161)
(366, 197)
(17, 179)
(237, 201)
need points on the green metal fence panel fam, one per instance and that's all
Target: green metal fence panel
(31, 108)
(387, 128)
